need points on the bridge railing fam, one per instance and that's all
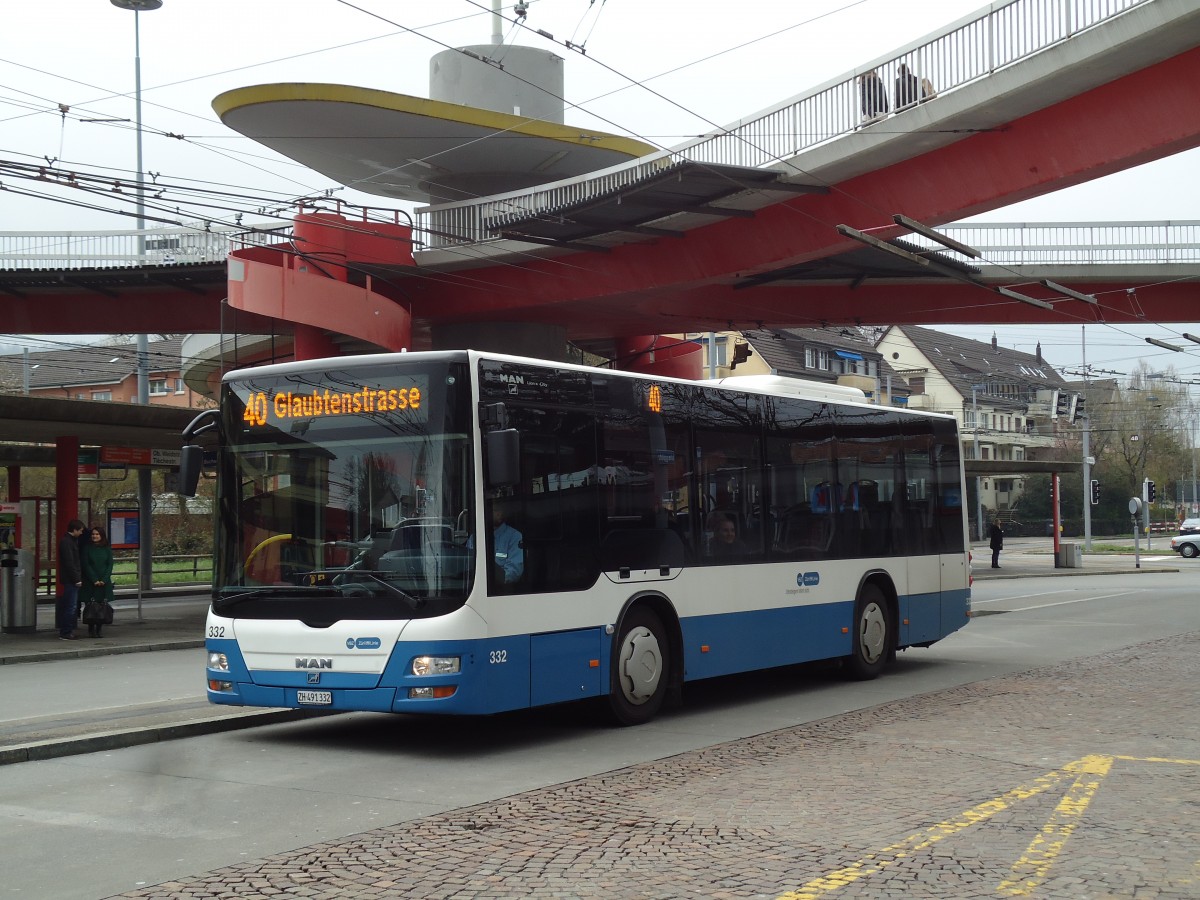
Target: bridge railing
(108, 249)
(1078, 243)
(1001, 243)
(958, 54)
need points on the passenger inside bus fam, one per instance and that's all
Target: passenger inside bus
(725, 543)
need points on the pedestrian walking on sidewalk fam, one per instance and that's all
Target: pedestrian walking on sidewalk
(70, 577)
(97, 590)
(996, 542)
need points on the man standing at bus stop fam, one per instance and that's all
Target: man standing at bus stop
(996, 542)
(70, 576)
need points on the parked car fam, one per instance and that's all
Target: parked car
(1189, 526)
(1186, 545)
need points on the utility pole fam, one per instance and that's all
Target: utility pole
(1087, 450)
(145, 492)
(975, 442)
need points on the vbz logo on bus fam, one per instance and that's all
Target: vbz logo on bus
(808, 579)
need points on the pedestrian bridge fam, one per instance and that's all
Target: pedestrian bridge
(742, 228)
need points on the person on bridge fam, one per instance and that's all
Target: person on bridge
(996, 542)
(874, 95)
(907, 87)
(70, 575)
(97, 587)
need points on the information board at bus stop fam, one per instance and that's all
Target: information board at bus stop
(124, 529)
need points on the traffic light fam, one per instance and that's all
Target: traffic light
(741, 353)
(1150, 492)
(1095, 492)
(1080, 410)
(1062, 405)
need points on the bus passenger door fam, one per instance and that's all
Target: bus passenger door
(924, 600)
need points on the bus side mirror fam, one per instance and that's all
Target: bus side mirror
(502, 450)
(191, 459)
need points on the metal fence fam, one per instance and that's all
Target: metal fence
(172, 569)
(964, 51)
(1079, 243)
(109, 249)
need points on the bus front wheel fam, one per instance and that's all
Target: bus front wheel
(640, 670)
(873, 634)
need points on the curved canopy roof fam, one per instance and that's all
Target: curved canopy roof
(411, 148)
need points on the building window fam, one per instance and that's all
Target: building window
(101, 395)
(916, 385)
(1018, 452)
(158, 385)
(180, 387)
(816, 358)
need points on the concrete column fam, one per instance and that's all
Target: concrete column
(66, 484)
(313, 343)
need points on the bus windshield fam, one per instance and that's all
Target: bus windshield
(346, 493)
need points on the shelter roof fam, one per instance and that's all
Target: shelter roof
(89, 365)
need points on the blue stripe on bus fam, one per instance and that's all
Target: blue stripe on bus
(739, 642)
(519, 671)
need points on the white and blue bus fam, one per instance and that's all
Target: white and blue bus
(467, 533)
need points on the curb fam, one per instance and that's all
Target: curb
(92, 652)
(115, 740)
(1051, 573)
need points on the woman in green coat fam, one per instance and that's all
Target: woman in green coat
(97, 564)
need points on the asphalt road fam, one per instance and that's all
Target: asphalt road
(405, 806)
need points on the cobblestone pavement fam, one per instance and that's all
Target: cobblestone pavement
(1080, 780)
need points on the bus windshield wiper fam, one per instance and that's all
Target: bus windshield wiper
(274, 590)
(413, 602)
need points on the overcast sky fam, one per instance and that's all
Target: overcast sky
(66, 61)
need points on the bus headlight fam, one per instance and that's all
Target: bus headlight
(435, 665)
(218, 661)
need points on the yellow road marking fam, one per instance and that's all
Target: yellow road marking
(1039, 856)
(1031, 869)
(1159, 759)
(876, 862)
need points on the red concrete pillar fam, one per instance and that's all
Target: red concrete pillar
(321, 240)
(66, 484)
(313, 343)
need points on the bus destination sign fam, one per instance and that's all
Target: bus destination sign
(278, 406)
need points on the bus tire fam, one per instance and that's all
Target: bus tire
(873, 634)
(641, 666)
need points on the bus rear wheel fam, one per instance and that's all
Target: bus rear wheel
(873, 634)
(641, 663)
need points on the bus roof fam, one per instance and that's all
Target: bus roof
(776, 385)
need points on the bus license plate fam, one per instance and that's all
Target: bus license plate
(315, 698)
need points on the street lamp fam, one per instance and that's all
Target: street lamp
(145, 549)
(138, 7)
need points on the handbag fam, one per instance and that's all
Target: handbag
(93, 612)
(107, 613)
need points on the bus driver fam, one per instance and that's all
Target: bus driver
(507, 555)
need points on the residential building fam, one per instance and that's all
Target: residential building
(1007, 402)
(842, 356)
